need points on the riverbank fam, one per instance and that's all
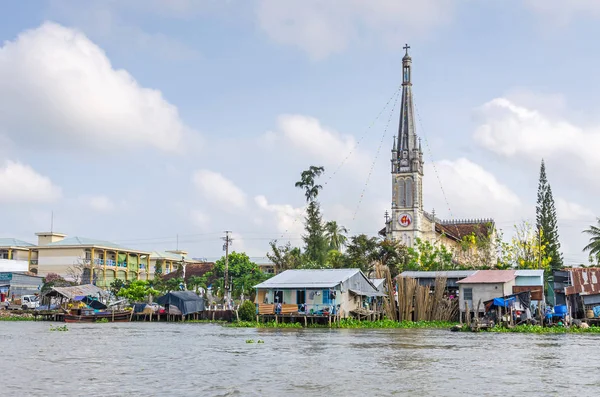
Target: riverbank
(8, 316)
(347, 324)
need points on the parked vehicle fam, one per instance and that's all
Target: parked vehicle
(25, 302)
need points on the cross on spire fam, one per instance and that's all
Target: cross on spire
(406, 48)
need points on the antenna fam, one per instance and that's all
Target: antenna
(52, 222)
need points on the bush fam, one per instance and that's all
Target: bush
(247, 311)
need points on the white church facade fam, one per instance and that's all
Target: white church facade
(409, 221)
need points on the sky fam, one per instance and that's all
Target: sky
(160, 124)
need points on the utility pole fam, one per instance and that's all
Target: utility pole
(228, 240)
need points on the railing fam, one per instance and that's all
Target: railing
(302, 309)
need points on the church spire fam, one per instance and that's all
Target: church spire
(407, 137)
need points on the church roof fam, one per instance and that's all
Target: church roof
(456, 230)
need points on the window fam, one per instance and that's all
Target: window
(328, 297)
(300, 297)
(468, 294)
(401, 193)
(409, 193)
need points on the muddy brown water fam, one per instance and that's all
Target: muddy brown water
(168, 359)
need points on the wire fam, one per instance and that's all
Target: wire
(362, 193)
(352, 150)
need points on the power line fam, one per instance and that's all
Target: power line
(350, 153)
(362, 193)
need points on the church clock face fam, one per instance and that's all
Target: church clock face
(404, 220)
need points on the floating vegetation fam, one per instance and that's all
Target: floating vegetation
(103, 320)
(59, 328)
(347, 323)
(260, 341)
(538, 329)
(249, 340)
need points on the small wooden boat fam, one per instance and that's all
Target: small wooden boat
(90, 316)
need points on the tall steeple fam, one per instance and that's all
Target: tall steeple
(406, 222)
(407, 137)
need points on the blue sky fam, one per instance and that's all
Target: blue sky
(143, 120)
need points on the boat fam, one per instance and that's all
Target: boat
(92, 316)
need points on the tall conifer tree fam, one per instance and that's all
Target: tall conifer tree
(545, 214)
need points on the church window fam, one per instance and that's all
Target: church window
(409, 193)
(401, 193)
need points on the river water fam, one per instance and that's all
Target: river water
(170, 359)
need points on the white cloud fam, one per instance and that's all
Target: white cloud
(324, 27)
(327, 146)
(512, 130)
(58, 87)
(471, 191)
(219, 190)
(19, 183)
(570, 211)
(200, 218)
(288, 219)
(99, 203)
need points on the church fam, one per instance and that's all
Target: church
(408, 220)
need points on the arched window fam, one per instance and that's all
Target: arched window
(409, 193)
(401, 194)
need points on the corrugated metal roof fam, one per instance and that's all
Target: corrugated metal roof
(377, 282)
(14, 242)
(529, 273)
(165, 255)
(584, 281)
(434, 274)
(309, 278)
(80, 290)
(489, 276)
(74, 241)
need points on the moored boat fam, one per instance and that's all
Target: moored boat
(91, 316)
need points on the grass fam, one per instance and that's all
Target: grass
(347, 324)
(16, 318)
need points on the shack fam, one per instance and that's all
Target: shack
(531, 280)
(482, 286)
(318, 292)
(580, 292)
(15, 284)
(427, 278)
(185, 302)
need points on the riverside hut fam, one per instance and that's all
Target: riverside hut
(317, 292)
(181, 303)
(482, 286)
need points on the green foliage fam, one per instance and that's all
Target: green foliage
(538, 329)
(546, 222)
(103, 320)
(335, 235)
(284, 257)
(528, 248)
(16, 317)
(158, 268)
(427, 256)
(347, 323)
(116, 286)
(307, 182)
(315, 243)
(53, 280)
(247, 311)
(361, 252)
(137, 291)
(593, 247)
(245, 273)
(60, 328)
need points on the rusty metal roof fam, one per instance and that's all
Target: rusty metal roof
(489, 277)
(584, 281)
(79, 290)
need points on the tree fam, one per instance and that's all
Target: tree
(593, 247)
(137, 291)
(116, 285)
(528, 248)
(477, 250)
(315, 243)
(546, 222)
(247, 311)
(428, 256)
(362, 252)
(244, 273)
(284, 257)
(335, 235)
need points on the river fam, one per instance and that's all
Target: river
(170, 359)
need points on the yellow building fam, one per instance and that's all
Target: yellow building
(73, 257)
(14, 249)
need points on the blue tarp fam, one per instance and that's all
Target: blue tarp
(504, 302)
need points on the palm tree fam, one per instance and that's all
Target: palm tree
(335, 235)
(307, 182)
(594, 246)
